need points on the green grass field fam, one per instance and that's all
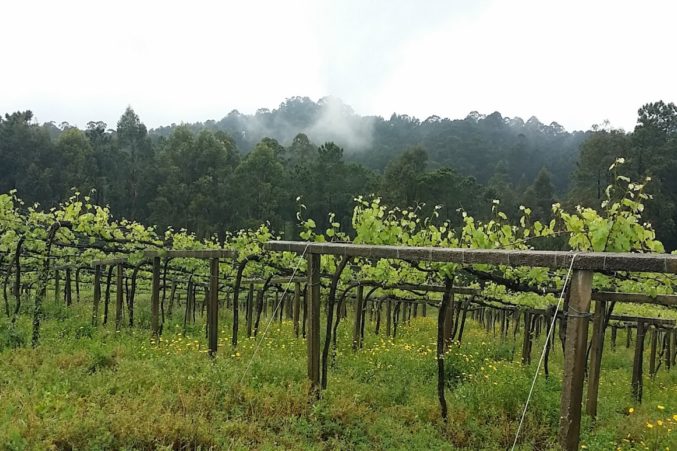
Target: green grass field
(93, 388)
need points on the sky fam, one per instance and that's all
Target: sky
(576, 62)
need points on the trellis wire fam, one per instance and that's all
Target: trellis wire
(540, 361)
(272, 317)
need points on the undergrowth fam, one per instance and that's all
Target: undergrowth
(90, 387)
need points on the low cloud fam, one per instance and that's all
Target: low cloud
(338, 123)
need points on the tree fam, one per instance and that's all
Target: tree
(592, 174)
(500, 187)
(78, 166)
(27, 159)
(301, 151)
(131, 132)
(133, 142)
(328, 182)
(658, 117)
(401, 177)
(195, 182)
(258, 182)
(540, 197)
(654, 154)
(450, 190)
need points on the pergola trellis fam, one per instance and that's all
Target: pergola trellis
(583, 265)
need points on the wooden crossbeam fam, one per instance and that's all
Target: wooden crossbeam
(667, 300)
(109, 262)
(590, 261)
(201, 254)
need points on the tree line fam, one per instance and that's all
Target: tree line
(247, 169)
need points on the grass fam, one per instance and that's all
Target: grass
(93, 388)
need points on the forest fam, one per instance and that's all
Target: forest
(244, 170)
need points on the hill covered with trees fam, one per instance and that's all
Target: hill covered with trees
(244, 169)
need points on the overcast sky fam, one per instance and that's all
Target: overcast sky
(577, 62)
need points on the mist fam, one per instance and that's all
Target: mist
(327, 120)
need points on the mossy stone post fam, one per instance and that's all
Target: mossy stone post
(614, 334)
(77, 284)
(119, 296)
(526, 338)
(97, 295)
(313, 332)
(652, 355)
(449, 322)
(628, 336)
(250, 309)
(637, 386)
(669, 356)
(57, 286)
(304, 320)
(155, 299)
(359, 307)
(673, 348)
(67, 290)
(297, 308)
(290, 306)
(574, 359)
(595, 364)
(213, 306)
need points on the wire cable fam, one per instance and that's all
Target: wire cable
(540, 361)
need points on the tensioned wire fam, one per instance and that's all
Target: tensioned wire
(538, 367)
(545, 346)
(272, 317)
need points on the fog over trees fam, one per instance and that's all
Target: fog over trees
(243, 169)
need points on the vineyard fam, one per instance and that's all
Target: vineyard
(399, 331)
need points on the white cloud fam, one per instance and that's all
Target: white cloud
(575, 62)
